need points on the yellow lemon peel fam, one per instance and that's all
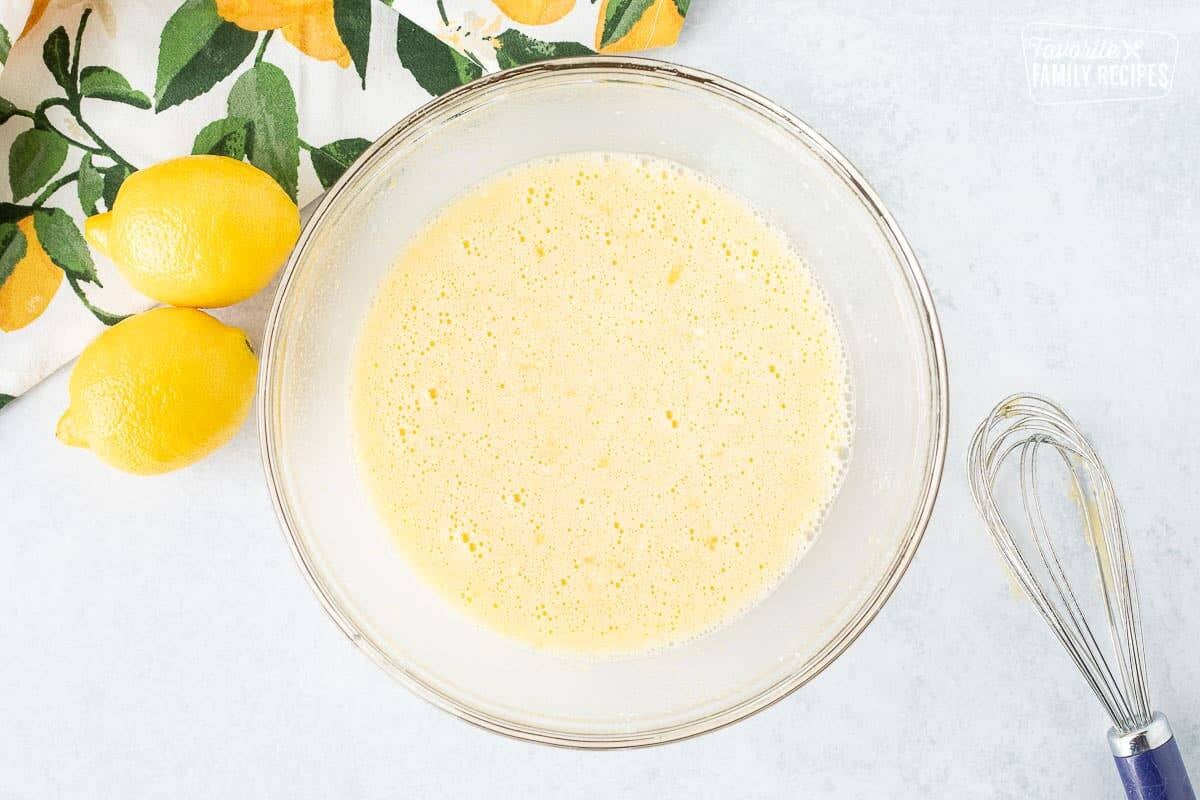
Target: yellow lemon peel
(159, 390)
(198, 231)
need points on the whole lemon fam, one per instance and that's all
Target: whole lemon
(160, 390)
(535, 12)
(31, 285)
(198, 231)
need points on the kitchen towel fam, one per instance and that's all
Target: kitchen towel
(92, 90)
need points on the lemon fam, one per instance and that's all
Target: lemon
(658, 26)
(30, 286)
(265, 15)
(160, 390)
(307, 24)
(36, 10)
(535, 12)
(199, 231)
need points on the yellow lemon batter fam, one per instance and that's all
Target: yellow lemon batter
(601, 403)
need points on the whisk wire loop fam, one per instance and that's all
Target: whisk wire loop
(1019, 429)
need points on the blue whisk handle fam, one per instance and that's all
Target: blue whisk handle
(1149, 763)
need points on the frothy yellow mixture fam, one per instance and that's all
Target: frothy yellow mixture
(601, 403)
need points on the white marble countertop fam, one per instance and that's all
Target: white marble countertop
(157, 640)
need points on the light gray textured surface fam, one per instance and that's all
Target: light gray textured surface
(157, 640)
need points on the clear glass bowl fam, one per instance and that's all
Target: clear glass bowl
(792, 176)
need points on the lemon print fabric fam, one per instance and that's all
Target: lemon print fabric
(160, 390)
(199, 231)
(95, 96)
(626, 25)
(307, 24)
(29, 281)
(535, 12)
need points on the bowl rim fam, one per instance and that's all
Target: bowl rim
(871, 604)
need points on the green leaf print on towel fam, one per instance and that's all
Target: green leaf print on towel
(33, 159)
(229, 136)
(65, 246)
(105, 83)
(12, 249)
(114, 176)
(90, 185)
(56, 54)
(99, 183)
(198, 49)
(437, 66)
(7, 109)
(63, 242)
(263, 96)
(330, 161)
(353, 21)
(514, 48)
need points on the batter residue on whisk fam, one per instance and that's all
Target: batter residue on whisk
(601, 403)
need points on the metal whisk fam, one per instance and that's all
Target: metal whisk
(1026, 429)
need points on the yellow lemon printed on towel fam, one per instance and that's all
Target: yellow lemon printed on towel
(36, 10)
(307, 24)
(658, 26)
(535, 12)
(30, 286)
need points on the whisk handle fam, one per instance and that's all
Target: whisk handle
(1149, 763)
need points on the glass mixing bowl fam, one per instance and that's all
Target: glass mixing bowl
(794, 178)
